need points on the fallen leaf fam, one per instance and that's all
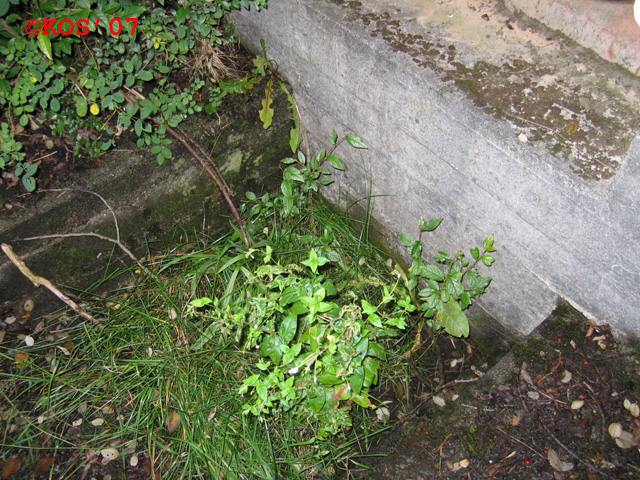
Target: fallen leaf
(439, 401)
(173, 421)
(533, 395)
(625, 440)
(92, 457)
(577, 404)
(97, 422)
(29, 341)
(525, 375)
(515, 420)
(615, 429)
(42, 465)
(11, 466)
(566, 377)
(28, 305)
(21, 358)
(109, 454)
(133, 461)
(557, 463)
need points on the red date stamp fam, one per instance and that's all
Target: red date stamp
(66, 27)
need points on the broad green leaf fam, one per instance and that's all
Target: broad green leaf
(453, 319)
(335, 162)
(433, 273)
(356, 379)
(407, 240)
(355, 141)
(295, 139)
(368, 308)
(288, 327)
(44, 44)
(377, 350)
(429, 226)
(488, 260)
(475, 253)
(334, 137)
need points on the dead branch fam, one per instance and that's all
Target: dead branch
(224, 188)
(37, 281)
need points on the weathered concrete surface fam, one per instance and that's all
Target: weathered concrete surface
(149, 201)
(488, 119)
(606, 26)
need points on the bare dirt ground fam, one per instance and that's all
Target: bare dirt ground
(547, 411)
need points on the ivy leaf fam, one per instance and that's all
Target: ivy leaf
(475, 252)
(488, 260)
(334, 136)
(453, 319)
(313, 262)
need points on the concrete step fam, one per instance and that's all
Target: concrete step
(488, 118)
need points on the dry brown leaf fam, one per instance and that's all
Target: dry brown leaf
(173, 421)
(42, 464)
(11, 466)
(525, 375)
(21, 358)
(515, 420)
(557, 463)
(92, 457)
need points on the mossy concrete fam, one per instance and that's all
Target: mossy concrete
(149, 201)
(488, 118)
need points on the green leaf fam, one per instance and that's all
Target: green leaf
(295, 139)
(29, 183)
(314, 261)
(367, 308)
(288, 327)
(4, 7)
(377, 350)
(433, 273)
(200, 302)
(429, 226)
(475, 252)
(453, 319)
(355, 141)
(145, 75)
(356, 379)
(334, 136)
(488, 260)
(488, 244)
(335, 162)
(266, 113)
(44, 44)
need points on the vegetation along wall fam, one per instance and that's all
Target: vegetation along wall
(485, 117)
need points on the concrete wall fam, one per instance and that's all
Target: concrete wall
(488, 119)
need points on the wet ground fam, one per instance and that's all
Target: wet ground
(546, 411)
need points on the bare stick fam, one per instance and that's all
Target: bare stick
(115, 241)
(37, 281)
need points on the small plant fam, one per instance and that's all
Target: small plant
(447, 292)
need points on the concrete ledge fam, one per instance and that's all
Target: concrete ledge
(148, 200)
(488, 119)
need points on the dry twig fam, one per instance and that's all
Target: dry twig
(37, 281)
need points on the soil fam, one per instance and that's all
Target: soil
(543, 412)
